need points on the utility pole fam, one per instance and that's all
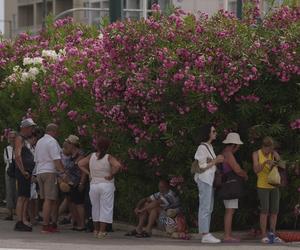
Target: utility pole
(115, 10)
(239, 9)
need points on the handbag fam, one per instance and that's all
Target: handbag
(232, 187)
(11, 170)
(195, 169)
(218, 180)
(274, 177)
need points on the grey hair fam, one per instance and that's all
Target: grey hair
(52, 127)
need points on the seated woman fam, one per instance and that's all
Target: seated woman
(153, 210)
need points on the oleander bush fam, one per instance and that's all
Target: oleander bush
(150, 84)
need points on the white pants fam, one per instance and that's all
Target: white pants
(102, 199)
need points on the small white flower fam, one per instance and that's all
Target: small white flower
(62, 52)
(16, 68)
(100, 36)
(11, 78)
(50, 54)
(24, 76)
(27, 61)
(33, 71)
(37, 60)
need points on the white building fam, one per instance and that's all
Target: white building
(2, 18)
(23, 15)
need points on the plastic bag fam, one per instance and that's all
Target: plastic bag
(274, 177)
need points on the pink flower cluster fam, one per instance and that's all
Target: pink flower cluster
(176, 181)
(295, 124)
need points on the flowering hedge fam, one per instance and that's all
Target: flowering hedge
(150, 84)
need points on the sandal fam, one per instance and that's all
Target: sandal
(143, 235)
(132, 233)
(102, 235)
(232, 240)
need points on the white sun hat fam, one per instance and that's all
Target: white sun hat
(233, 138)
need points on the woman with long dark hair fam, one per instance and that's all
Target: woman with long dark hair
(207, 161)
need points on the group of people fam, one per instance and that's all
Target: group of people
(68, 179)
(263, 161)
(60, 178)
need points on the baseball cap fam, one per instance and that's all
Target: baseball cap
(73, 139)
(27, 123)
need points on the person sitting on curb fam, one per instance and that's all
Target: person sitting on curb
(154, 209)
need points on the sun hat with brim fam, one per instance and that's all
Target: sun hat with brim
(73, 139)
(233, 138)
(27, 123)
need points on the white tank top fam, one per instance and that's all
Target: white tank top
(100, 169)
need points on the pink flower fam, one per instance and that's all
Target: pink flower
(295, 124)
(72, 115)
(162, 127)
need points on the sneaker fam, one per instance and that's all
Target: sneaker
(47, 229)
(278, 240)
(21, 227)
(54, 228)
(209, 238)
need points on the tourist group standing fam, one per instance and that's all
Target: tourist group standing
(83, 184)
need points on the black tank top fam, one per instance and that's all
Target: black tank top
(27, 157)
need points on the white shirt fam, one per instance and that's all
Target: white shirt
(10, 156)
(202, 154)
(46, 151)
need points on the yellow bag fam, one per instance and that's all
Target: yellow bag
(274, 178)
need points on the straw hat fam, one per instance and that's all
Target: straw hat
(233, 138)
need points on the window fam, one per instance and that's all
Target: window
(232, 6)
(142, 8)
(25, 15)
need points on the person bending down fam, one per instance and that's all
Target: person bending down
(153, 209)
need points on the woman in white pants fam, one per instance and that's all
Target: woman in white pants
(102, 168)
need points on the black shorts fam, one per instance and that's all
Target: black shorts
(76, 196)
(24, 184)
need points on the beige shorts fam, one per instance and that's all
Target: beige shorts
(231, 203)
(48, 186)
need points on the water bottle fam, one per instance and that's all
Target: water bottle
(271, 237)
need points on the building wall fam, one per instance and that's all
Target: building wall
(193, 6)
(2, 18)
(28, 14)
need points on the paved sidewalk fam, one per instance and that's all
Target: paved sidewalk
(71, 240)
